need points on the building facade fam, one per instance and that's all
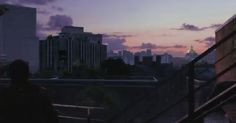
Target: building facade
(18, 36)
(166, 58)
(72, 47)
(229, 45)
(128, 57)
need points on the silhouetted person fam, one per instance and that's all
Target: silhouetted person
(23, 102)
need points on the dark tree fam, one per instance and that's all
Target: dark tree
(115, 67)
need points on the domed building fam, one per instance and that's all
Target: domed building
(191, 54)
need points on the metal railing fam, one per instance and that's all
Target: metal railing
(192, 89)
(192, 112)
(211, 105)
(88, 109)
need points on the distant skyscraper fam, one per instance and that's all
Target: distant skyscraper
(158, 59)
(166, 59)
(149, 52)
(136, 59)
(191, 54)
(18, 36)
(141, 54)
(72, 47)
(128, 57)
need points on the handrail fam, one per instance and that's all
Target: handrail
(79, 118)
(191, 102)
(78, 107)
(191, 64)
(191, 109)
(208, 51)
(185, 97)
(89, 108)
(212, 104)
(225, 39)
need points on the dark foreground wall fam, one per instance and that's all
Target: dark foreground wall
(114, 97)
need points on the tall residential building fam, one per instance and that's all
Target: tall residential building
(149, 52)
(72, 47)
(136, 59)
(18, 36)
(223, 50)
(158, 59)
(166, 59)
(128, 57)
(141, 54)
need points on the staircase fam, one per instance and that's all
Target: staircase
(184, 99)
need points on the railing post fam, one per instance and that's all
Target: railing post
(191, 101)
(89, 116)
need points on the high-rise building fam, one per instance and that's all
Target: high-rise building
(158, 59)
(141, 54)
(72, 47)
(136, 59)
(166, 59)
(128, 57)
(149, 52)
(18, 35)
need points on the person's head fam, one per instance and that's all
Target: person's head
(19, 72)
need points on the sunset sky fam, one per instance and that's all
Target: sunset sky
(163, 25)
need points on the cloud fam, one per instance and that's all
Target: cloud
(154, 46)
(115, 43)
(57, 8)
(40, 32)
(208, 41)
(190, 27)
(120, 36)
(166, 35)
(41, 35)
(56, 22)
(179, 46)
(43, 12)
(4, 1)
(147, 46)
(215, 26)
(40, 26)
(31, 2)
(36, 2)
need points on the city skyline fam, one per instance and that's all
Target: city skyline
(161, 25)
